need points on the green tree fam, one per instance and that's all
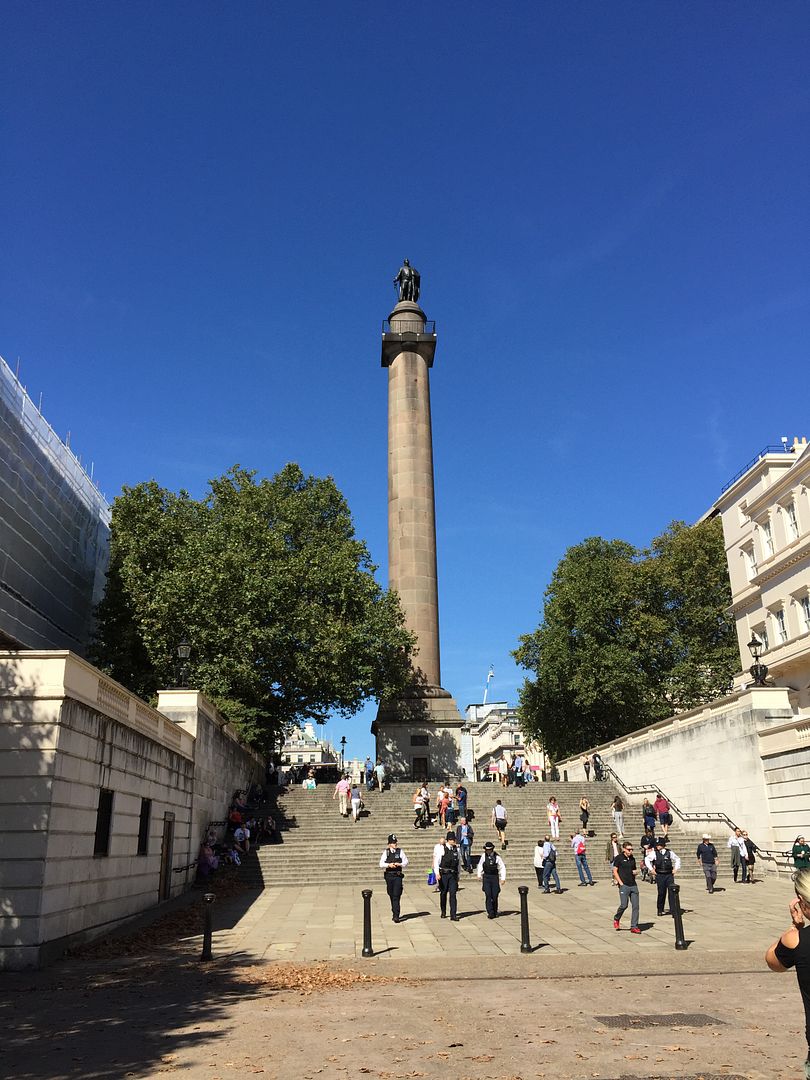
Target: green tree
(269, 583)
(628, 637)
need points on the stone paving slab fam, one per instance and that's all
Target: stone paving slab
(282, 921)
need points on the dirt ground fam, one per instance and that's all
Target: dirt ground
(143, 1017)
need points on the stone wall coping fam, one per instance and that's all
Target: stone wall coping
(762, 698)
(56, 674)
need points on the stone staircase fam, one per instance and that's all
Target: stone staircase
(320, 847)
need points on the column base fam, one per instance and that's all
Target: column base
(419, 735)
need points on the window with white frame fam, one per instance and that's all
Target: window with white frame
(750, 561)
(762, 633)
(780, 625)
(767, 539)
(804, 607)
(791, 521)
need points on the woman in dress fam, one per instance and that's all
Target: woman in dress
(584, 812)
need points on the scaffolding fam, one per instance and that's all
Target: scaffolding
(54, 529)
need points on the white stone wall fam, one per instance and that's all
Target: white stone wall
(707, 760)
(66, 733)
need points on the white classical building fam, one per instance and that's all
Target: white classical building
(766, 525)
(492, 733)
(747, 755)
(303, 747)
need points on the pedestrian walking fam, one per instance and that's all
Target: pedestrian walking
(341, 792)
(792, 949)
(549, 854)
(538, 863)
(503, 771)
(461, 795)
(446, 867)
(393, 861)
(617, 813)
(739, 856)
(647, 843)
(661, 807)
(465, 835)
(612, 849)
(624, 874)
(419, 810)
(492, 872)
(707, 859)
(751, 856)
(663, 865)
(584, 812)
(581, 859)
(649, 815)
(554, 819)
(598, 767)
(500, 821)
(357, 802)
(379, 772)
(586, 765)
(369, 771)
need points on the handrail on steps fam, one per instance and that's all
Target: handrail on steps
(702, 815)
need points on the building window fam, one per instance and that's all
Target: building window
(779, 623)
(767, 539)
(300, 758)
(518, 739)
(143, 826)
(805, 606)
(750, 562)
(311, 757)
(762, 633)
(103, 822)
(420, 740)
(792, 526)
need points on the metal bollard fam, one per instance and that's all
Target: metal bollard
(367, 949)
(677, 916)
(208, 899)
(525, 944)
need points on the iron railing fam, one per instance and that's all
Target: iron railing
(772, 448)
(781, 859)
(401, 326)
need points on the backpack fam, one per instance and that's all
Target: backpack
(491, 864)
(580, 848)
(449, 860)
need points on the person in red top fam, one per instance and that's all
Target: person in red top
(661, 806)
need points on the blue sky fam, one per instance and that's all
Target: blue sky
(204, 205)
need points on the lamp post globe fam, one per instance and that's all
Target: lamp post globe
(758, 671)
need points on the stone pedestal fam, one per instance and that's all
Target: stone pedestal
(418, 735)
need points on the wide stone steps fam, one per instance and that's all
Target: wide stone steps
(318, 845)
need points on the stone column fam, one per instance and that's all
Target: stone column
(418, 733)
(411, 508)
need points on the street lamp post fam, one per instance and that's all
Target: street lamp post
(183, 654)
(342, 753)
(757, 670)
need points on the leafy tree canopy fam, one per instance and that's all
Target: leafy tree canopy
(628, 637)
(268, 582)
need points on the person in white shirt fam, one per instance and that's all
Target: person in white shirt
(739, 856)
(492, 872)
(446, 863)
(499, 819)
(663, 866)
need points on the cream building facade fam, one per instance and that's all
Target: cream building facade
(303, 747)
(492, 733)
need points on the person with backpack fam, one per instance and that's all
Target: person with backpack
(492, 872)
(581, 859)
(446, 863)
(663, 866)
(549, 857)
(499, 820)
(392, 862)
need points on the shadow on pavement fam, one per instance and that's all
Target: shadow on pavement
(106, 1020)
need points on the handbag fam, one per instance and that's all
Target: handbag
(431, 878)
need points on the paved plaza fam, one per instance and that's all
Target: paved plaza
(288, 994)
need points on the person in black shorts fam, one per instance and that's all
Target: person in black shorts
(793, 949)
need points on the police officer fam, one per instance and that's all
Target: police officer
(492, 872)
(393, 861)
(663, 865)
(446, 863)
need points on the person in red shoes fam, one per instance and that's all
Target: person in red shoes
(624, 874)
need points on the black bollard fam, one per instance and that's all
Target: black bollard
(525, 944)
(677, 915)
(367, 949)
(208, 899)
